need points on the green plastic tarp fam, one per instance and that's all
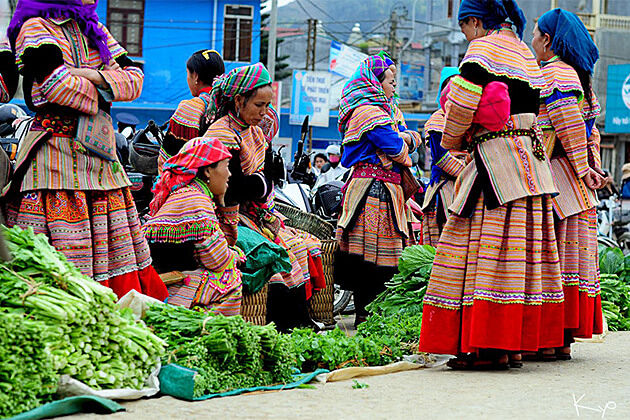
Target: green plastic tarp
(177, 381)
(264, 259)
(71, 405)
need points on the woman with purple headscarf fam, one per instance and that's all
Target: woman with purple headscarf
(372, 229)
(68, 183)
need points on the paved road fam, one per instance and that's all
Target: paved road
(598, 377)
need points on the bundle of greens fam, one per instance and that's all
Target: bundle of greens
(27, 377)
(227, 352)
(405, 291)
(615, 288)
(90, 338)
(379, 341)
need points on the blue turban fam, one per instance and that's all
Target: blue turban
(493, 13)
(569, 39)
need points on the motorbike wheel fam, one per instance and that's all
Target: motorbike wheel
(624, 242)
(342, 298)
(606, 242)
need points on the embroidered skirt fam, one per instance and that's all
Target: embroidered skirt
(372, 231)
(495, 282)
(579, 262)
(227, 302)
(98, 231)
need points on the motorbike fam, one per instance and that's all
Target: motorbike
(613, 223)
(139, 157)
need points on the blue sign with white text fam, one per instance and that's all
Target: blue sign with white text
(618, 99)
(411, 81)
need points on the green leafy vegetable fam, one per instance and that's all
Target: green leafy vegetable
(86, 335)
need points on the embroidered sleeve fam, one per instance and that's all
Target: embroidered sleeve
(62, 88)
(184, 124)
(451, 165)
(390, 143)
(594, 152)
(228, 220)
(566, 118)
(125, 84)
(462, 101)
(214, 252)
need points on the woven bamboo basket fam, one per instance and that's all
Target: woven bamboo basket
(321, 304)
(254, 307)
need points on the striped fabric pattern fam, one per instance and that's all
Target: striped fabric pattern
(363, 119)
(97, 231)
(504, 261)
(238, 81)
(374, 234)
(562, 118)
(579, 261)
(451, 164)
(434, 123)
(357, 189)
(62, 164)
(462, 101)
(126, 83)
(188, 215)
(249, 140)
(184, 123)
(512, 169)
(501, 53)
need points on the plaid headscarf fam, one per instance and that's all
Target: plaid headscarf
(569, 39)
(84, 15)
(237, 82)
(363, 88)
(181, 169)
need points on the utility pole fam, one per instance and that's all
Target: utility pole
(311, 44)
(393, 28)
(273, 33)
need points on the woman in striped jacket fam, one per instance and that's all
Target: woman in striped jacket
(184, 232)
(568, 109)
(68, 183)
(495, 286)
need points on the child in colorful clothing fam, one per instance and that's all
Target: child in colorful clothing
(68, 183)
(184, 232)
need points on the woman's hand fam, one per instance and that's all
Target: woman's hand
(593, 180)
(407, 138)
(113, 65)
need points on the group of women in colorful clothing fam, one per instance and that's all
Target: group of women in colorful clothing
(512, 196)
(214, 174)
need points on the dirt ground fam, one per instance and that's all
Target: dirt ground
(595, 384)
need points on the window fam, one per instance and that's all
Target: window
(125, 20)
(237, 33)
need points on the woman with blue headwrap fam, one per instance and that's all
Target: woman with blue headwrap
(495, 288)
(445, 168)
(568, 109)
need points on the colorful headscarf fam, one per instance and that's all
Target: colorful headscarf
(363, 88)
(493, 13)
(385, 56)
(237, 82)
(181, 169)
(84, 15)
(569, 39)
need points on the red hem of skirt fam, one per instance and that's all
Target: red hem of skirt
(489, 325)
(146, 281)
(582, 313)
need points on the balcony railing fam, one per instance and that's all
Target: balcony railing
(616, 22)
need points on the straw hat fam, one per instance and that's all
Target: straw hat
(626, 172)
